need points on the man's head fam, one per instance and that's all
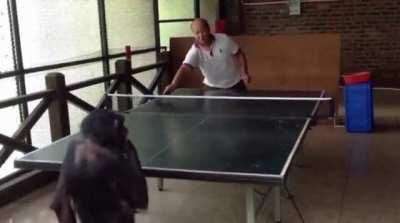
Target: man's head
(201, 31)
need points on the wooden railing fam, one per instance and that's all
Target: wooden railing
(55, 99)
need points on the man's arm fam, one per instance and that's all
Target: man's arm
(241, 57)
(185, 68)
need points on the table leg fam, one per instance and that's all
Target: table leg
(301, 156)
(160, 184)
(250, 211)
(277, 211)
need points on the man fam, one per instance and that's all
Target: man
(219, 58)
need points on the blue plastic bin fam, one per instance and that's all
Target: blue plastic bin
(359, 107)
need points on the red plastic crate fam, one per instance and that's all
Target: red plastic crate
(356, 78)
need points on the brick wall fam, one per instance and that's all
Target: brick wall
(370, 30)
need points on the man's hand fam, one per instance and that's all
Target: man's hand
(169, 88)
(246, 78)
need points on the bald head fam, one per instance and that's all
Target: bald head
(200, 22)
(201, 31)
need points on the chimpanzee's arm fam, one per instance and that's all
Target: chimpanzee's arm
(62, 200)
(132, 183)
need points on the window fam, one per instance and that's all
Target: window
(9, 117)
(209, 10)
(176, 9)
(6, 57)
(176, 29)
(175, 16)
(174, 19)
(50, 32)
(10, 121)
(132, 23)
(58, 31)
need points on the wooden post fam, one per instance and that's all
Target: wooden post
(167, 77)
(123, 69)
(58, 109)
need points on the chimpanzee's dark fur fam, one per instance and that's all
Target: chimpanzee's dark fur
(101, 179)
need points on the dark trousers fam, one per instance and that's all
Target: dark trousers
(239, 86)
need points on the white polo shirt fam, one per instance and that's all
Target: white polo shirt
(218, 65)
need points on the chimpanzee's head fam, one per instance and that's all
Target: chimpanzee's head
(104, 127)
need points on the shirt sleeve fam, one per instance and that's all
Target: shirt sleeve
(232, 45)
(191, 57)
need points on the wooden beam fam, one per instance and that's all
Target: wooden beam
(80, 103)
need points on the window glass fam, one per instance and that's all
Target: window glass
(139, 60)
(6, 56)
(36, 82)
(130, 22)
(176, 29)
(57, 30)
(10, 121)
(209, 11)
(175, 9)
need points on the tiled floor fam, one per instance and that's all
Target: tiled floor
(346, 178)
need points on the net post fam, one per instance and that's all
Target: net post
(166, 77)
(332, 111)
(124, 69)
(58, 109)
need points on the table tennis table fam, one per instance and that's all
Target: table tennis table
(237, 141)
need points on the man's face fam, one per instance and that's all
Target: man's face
(201, 33)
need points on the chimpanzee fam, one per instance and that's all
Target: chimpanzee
(101, 180)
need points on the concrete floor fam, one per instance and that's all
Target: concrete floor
(346, 178)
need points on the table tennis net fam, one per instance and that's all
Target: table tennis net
(226, 105)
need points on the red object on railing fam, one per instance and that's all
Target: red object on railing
(220, 26)
(356, 78)
(128, 52)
